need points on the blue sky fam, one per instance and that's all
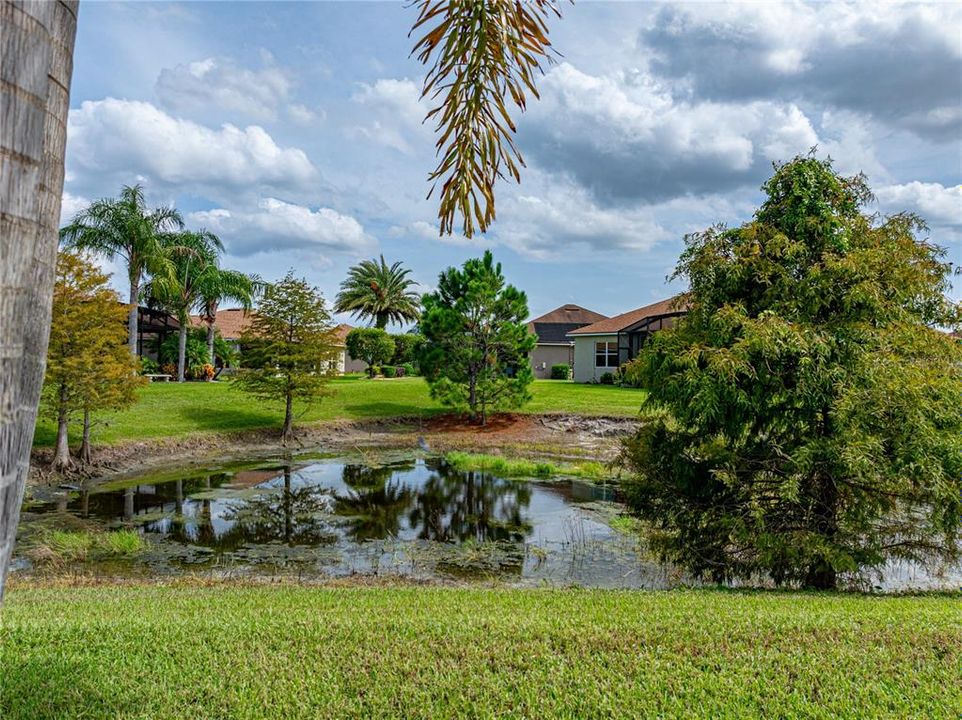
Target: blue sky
(294, 131)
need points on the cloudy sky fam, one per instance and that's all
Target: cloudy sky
(294, 131)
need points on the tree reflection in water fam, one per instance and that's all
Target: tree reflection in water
(375, 501)
(455, 506)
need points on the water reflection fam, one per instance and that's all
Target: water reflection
(423, 513)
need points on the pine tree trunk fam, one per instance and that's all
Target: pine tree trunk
(210, 343)
(287, 434)
(133, 312)
(36, 45)
(181, 352)
(85, 455)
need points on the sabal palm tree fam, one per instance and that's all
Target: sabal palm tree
(125, 227)
(220, 286)
(194, 259)
(380, 292)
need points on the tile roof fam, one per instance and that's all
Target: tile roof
(231, 323)
(615, 324)
(342, 330)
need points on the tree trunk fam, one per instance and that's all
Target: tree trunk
(85, 455)
(287, 433)
(37, 50)
(133, 312)
(61, 451)
(210, 342)
(181, 352)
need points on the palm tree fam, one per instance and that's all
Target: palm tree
(375, 290)
(125, 227)
(36, 44)
(219, 286)
(194, 259)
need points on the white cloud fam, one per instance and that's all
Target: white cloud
(304, 116)
(278, 225)
(935, 203)
(394, 113)
(219, 83)
(114, 140)
(70, 205)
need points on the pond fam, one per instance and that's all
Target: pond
(377, 515)
(416, 518)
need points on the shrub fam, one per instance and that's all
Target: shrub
(409, 370)
(149, 366)
(630, 374)
(389, 371)
(560, 372)
(406, 347)
(168, 369)
(607, 379)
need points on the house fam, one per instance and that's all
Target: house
(153, 327)
(345, 363)
(554, 347)
(606, 345)
(233, 322)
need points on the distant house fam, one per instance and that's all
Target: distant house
(607, 344)
(153, 327)
(345, 363)
(233, 322)
(554, 347)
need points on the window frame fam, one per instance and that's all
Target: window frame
(609, 352)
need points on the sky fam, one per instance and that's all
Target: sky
(295, 132)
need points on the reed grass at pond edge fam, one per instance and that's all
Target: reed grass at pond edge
(291, 652)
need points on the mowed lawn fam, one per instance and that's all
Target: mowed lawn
(178, 409)
(297, 652)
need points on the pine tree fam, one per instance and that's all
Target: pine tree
(290, 348)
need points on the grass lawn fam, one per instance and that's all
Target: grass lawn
(175, 409)
(297, 652)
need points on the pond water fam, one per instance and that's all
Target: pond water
(379, 515)
(416, 518)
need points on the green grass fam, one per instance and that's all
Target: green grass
(522, 467)
(176, 410)
(58, 546)
(297, 652)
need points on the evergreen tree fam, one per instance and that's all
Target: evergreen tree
(804, 418)
(289, 348)
(476, 340)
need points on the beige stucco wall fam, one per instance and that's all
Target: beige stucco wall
(585, 370)
(544, 356)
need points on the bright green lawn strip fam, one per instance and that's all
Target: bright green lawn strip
(523, 467)
(175, 410)
(294, 652)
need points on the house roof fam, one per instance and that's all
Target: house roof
(341, 331)
(552, 327)
(231, 323)
(670, 306)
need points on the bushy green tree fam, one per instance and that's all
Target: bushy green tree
(406, 348)
(372, 345)
(804, 418)
(290, 348)
(476, 341)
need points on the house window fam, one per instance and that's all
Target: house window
(606, 354)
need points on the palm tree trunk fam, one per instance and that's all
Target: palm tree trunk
(37, 47)
(133, 312)
(210, 342)
(181, 352)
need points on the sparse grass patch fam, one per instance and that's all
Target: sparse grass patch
(521, 467)
(63, 546)
(245, 652)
